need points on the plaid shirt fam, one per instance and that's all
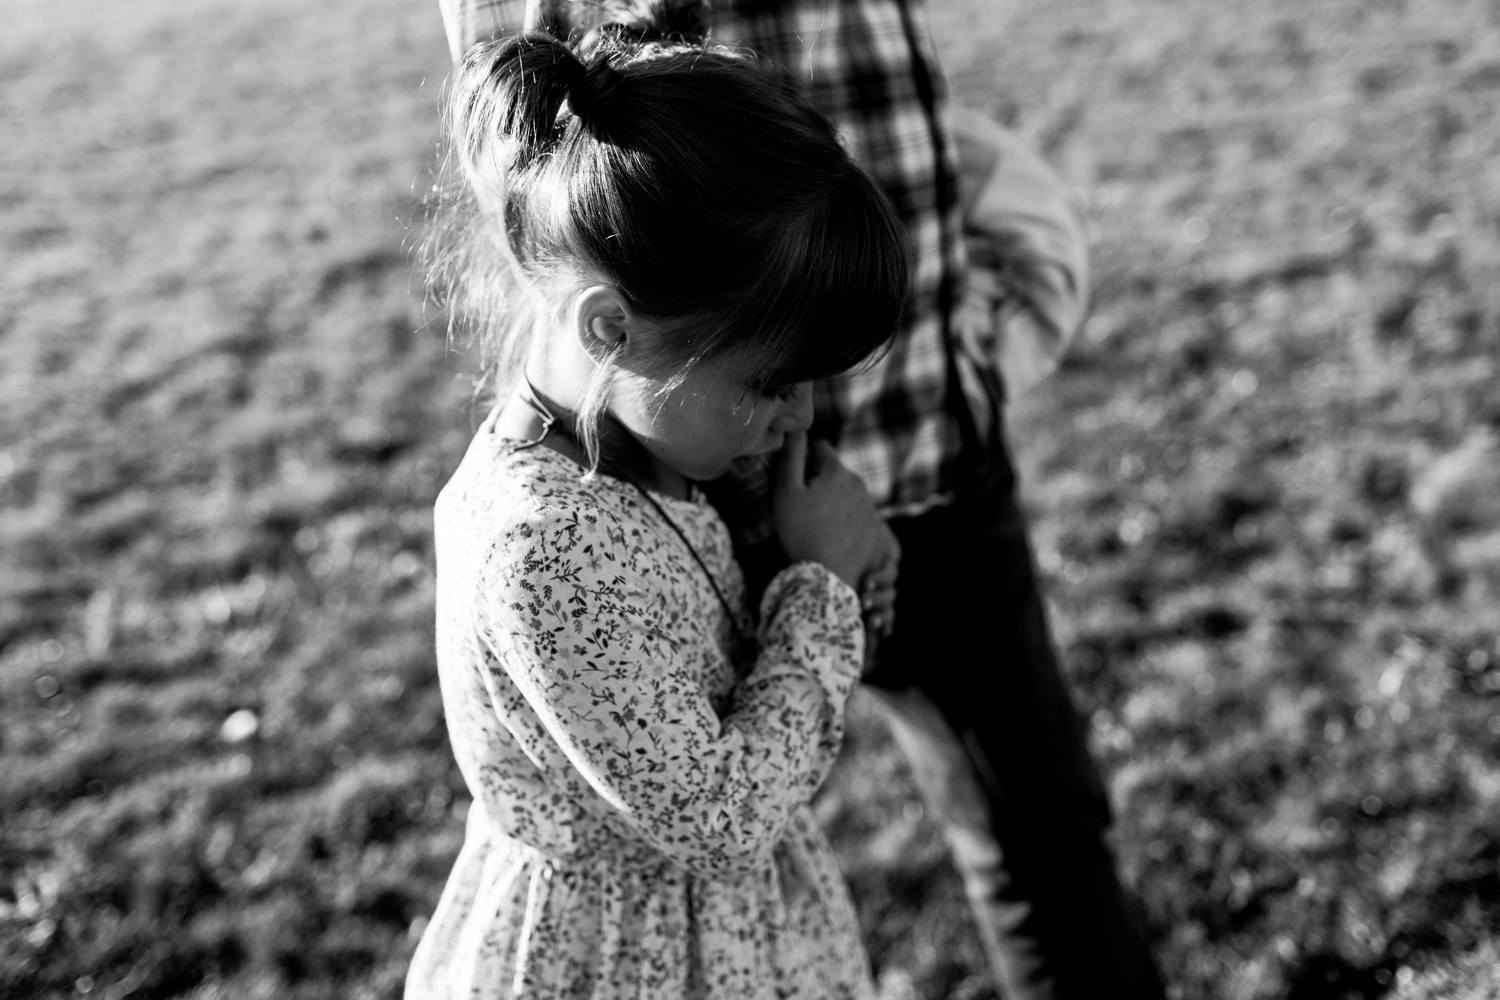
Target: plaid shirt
(911, 423)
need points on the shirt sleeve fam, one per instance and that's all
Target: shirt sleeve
(596, 649)
(471, 21)
(1026, 235)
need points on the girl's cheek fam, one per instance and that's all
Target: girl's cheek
(743, 408)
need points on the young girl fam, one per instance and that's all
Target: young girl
(683, 245)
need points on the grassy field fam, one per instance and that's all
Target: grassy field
(1265, 487)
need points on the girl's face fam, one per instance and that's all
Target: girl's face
(714, 417)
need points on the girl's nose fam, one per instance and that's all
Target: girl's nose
(797, 412)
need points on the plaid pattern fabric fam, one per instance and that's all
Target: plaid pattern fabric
(870, 68)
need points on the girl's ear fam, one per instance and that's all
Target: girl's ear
(602, 319)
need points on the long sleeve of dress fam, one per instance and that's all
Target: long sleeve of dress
(579, 612)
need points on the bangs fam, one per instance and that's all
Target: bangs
(833, 288)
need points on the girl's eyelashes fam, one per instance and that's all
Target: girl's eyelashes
(780, 392)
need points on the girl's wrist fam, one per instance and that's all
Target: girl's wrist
(807, 601)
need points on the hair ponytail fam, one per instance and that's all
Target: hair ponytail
(514, 91)
(597, 92)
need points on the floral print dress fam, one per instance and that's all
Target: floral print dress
(641, 777)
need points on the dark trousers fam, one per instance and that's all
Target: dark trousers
(978, 705)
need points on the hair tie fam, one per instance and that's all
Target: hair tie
(596, 91)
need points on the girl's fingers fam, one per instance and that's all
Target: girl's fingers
(877, 588)
(878, 602)
(882, 595)
(877, 596)
(791, 462)
(825, 456)
(880, 624)
(883, 574)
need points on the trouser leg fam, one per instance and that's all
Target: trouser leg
(980, 706)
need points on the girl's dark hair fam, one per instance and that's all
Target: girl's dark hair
(692, 179)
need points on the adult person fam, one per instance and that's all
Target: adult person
(970, 676)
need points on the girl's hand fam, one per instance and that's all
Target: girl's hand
(824, 513)
(877, 598)
(877, 590)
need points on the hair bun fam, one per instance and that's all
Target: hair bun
(596, 91)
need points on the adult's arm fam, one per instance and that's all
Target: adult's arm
(1027, 238)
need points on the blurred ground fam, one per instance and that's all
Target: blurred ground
(1265, 487)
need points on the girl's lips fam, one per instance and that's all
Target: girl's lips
(745, 463)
